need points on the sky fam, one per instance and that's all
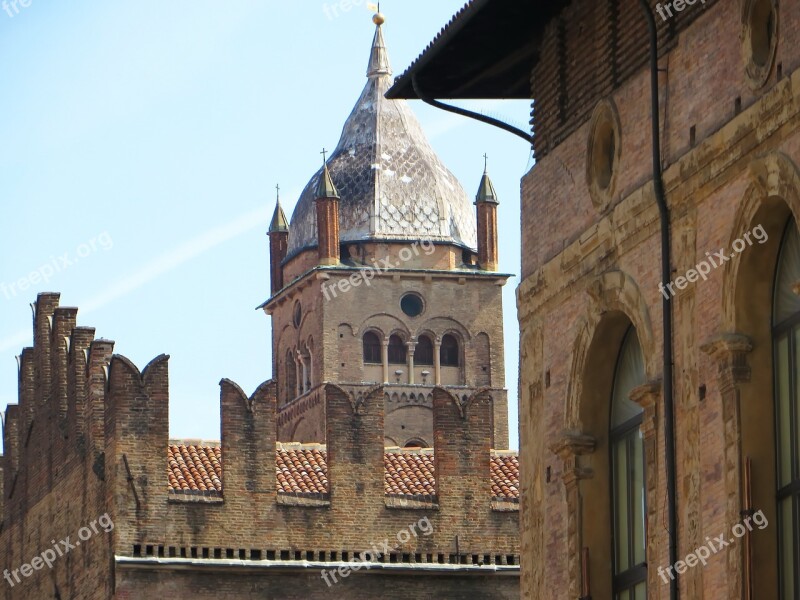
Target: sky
(141, 146)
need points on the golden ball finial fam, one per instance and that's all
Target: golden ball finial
(378, 19)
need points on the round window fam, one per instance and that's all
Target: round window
(603, 154)
(298, 314)
(412, 305)
(762, 31)
(760, 40)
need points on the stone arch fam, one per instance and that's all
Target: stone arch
(771, 196)
(382, 321)
(614, 305)
(444, 325)
(743, 354)
(614, 300)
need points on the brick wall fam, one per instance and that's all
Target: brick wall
(726, 146)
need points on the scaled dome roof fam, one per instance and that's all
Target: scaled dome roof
(390, 182)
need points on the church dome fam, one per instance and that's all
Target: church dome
(391, 184)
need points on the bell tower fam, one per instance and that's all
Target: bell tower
(388, 278)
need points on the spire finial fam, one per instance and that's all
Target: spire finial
(278, 223)
(486, 192)
(378, 58)
(325, 187)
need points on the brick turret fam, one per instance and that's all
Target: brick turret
(486, 208)
(278, 243)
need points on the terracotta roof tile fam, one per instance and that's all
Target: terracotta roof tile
(302, 469)
(409, 473)
(505, 476)
(195, 468)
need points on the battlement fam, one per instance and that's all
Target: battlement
(92, 427)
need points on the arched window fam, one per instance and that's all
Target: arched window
(290, 384)
(423, 354)
(448, 353)
(627, 475)
(372, 348)
(397, 351)
(786, 340)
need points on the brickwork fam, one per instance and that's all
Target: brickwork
(114, 460)
(340, 318)
(731, 152)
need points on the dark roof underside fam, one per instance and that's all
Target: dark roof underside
(486, 51)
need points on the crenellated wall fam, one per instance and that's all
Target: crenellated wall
(90, 437)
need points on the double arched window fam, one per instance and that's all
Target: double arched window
(786, 341)
(627, 475)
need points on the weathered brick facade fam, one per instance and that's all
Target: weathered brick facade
(591, 268)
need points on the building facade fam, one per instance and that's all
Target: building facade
(372, 464)
(594, 451)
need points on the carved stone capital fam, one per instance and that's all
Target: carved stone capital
(729, 351)
(569, 447)
(647, 396)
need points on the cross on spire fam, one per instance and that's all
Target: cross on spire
(485, 162)
(278, 191)
(324, 156)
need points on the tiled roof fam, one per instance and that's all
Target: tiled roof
(195, 467)
(302, 469)
(409, 473)
(505, 476)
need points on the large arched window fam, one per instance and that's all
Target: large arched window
(423, 354)
(627, 475)
(372, 348)
(397, 351)
(786, 339)
(448, 353)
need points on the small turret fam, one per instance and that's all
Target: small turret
(486, 207)
(278, 245)
(327, 203)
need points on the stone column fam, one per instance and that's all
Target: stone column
(410, 357)
(385, 360)
(570, 446)
(729, 351)
(437, 362)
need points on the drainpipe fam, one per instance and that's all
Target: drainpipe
(666, 276)
(469, 113)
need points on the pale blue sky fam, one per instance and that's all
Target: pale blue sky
(142, 142)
